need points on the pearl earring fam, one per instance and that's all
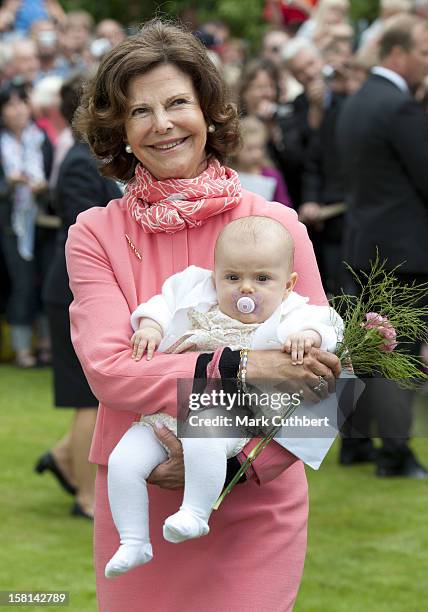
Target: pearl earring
(128, 148)
(211, 128)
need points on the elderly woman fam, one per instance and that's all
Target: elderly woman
(158, 115)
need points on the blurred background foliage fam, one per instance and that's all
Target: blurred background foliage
(243, 16)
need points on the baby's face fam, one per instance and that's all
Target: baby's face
(256, 270)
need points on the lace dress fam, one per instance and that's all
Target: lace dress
(208, 331)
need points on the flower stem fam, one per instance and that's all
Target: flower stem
(245, 466)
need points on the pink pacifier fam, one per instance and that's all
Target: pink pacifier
(246, 305)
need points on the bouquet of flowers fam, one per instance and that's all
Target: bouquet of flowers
(377, 323)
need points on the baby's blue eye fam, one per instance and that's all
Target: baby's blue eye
(262, 278)
(232, 277)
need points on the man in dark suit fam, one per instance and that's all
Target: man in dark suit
(298, 119)
(383, 141)
(315, 113)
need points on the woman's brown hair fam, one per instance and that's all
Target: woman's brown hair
(250, 72)
(101, 115)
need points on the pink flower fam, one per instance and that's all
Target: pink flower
(384, 329)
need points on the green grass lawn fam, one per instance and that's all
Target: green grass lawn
(42, 547)
(368, 538)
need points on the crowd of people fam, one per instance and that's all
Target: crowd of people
(300, 123)
(40, 48)
(289, 95)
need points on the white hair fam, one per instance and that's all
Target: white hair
(295, 46)
(46, 92)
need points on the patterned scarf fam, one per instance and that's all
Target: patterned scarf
(173, 204)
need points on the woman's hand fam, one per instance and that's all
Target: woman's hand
(266, 110)
(309, 213)
(170, 474)
(301, 378)
(261, 365)
(17, 178)
(39, 187)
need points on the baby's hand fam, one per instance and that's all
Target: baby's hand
(300, 344)
(147, 338)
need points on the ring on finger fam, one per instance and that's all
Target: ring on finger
(321, 386)
(322, 381)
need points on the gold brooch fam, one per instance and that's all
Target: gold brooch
(132, 245)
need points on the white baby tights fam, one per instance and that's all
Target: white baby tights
(136, 455)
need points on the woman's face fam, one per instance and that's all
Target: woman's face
(260, 89)
(165, 125)
(16, 114)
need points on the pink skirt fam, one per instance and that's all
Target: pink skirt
(251, 561)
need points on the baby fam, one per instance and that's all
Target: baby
(248, 302)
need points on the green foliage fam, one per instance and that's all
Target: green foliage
(239, 14)
(245, 17)
(133, 11)
(364, 9)
(246, 23)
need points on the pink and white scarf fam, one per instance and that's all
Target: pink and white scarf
(173, 204)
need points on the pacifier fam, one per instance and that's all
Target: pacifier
(246, 305)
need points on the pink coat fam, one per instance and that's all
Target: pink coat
(252, 560)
